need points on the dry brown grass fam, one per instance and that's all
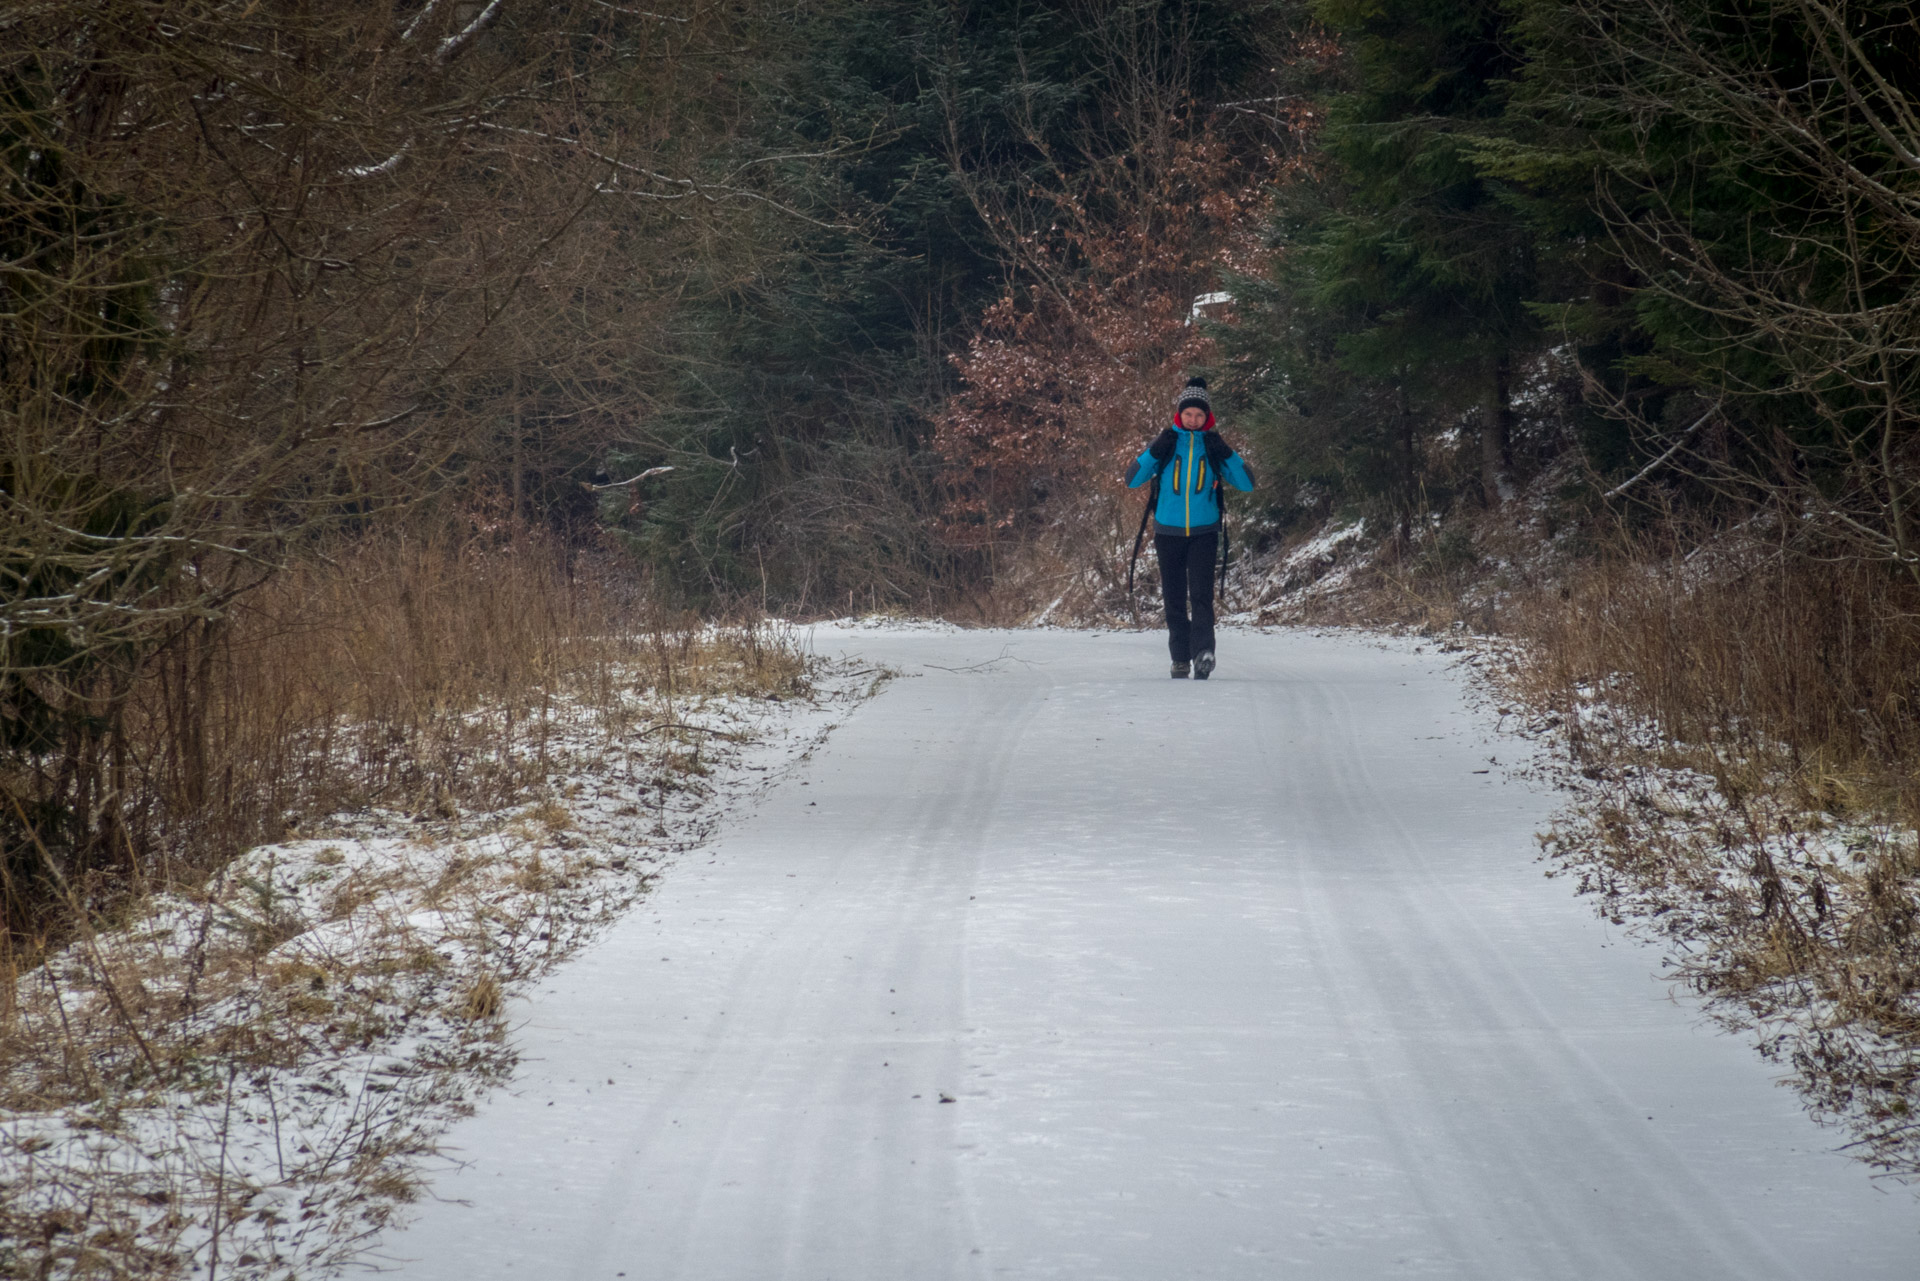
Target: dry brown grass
(420, 675)
(1741, 727)
(483, 999)
(1791, 669)
(419, 702)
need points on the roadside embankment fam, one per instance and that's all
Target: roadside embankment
(475, 760)
(1735, 719)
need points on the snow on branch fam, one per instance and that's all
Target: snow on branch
(456, 44)
(378, 423)
(641, 13)
(631, 480)
(706, 191)
(386, 166)
(1657, 463)
(426, 12)
(144, 541)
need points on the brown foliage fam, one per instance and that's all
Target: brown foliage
(1073, 370)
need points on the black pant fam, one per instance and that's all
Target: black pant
(1186, 573)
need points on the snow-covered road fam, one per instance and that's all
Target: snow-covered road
(1256, 978)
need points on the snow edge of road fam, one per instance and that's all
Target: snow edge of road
(375, 1012)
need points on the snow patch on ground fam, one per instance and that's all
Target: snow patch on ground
(879, 623)
(1260, 589)
(340, 998)
(968, 999)
(1785, 918)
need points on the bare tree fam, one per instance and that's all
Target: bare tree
(259, 268)
(1812, 308)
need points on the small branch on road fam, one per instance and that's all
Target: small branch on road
(988, 664)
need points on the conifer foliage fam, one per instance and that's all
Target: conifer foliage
(1694, 216)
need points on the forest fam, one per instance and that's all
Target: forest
(360, 360)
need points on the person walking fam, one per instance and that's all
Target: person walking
(1189, 461)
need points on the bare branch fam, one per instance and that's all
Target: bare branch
(1664, 458)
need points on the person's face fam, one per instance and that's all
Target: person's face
(1193, 418)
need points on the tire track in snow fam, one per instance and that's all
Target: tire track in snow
(1458, 1037)
(803, 1121)
(1285, 999)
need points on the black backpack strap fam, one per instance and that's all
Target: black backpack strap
(1153, 496)
(1220, 505)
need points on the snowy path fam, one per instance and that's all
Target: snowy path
(1285, 999)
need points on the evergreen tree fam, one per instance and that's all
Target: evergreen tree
(1753, 179)
(1396, 303)
(792, 401)
(894, 151)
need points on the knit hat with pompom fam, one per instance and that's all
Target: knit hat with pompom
(1194, 394)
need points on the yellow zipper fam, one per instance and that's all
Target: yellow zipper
(1188, 497)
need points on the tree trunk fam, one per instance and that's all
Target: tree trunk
(518, 526)
(1496, 436)
(1408, 486)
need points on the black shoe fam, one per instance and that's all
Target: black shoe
(1203, 666)
(1179, 671)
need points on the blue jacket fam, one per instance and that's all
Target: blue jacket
(1187, 502)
